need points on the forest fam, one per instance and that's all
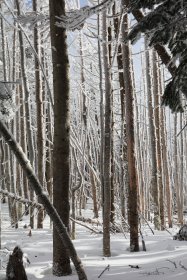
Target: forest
(92, 117)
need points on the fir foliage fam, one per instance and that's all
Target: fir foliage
(166, 24)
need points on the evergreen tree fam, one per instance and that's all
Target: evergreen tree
(165, 25)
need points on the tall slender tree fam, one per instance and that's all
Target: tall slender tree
(152, 137)
(129, 116)
(40, 115)
(157, 119)
(61, 261)
(123, 162)
(107, 147)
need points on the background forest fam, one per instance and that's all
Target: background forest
(83, 118)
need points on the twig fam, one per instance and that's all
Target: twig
(134, 266)
(143, 241)
(81, 224)
(106, 268)
(181, 265)
(88, 220)
(21, 199)
(174, 263)
(155, 272)
(147, 224)
(181, 130)
(14, 224)
(165, 228)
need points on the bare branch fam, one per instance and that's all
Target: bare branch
(22, 200)
(181, 265)
(84, 225)
(73, 19)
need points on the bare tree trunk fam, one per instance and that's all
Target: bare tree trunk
(26, 98)
(93, 184)
(3, 47)
(26, 90)
(165, 168)
(176, 165)
(40, 116)
(156, 93)
(107, 147)
(16, 122)
(152, 135)
(133, 182)
(61, 154)
(181, 168)
(101, 113)
(112, 210)
(9, 160)
(49, 156)
(23, 141)
(139, 135)
(124, 181)
(2, 159)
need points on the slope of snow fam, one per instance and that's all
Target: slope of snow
(164, 259)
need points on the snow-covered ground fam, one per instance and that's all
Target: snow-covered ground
(164, 258)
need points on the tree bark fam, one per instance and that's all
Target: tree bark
(156, 94)
(124, 180)
(107, 147)
(26, 90)
(152, 137)
(133, 182)
(40, 116)
(166, 169)
(15, 269)
(61, 261)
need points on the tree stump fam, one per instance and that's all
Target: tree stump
(182, 234)
(15, 269)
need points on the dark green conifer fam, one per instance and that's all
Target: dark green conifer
(165, 24)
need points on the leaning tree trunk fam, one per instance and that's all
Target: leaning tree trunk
(129, 115)
(61, 154)
(50, 209)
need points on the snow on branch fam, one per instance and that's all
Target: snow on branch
(32, 18)
(22, 200)
(72, 20)
(7, 101)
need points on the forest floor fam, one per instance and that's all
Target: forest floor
(164, 258)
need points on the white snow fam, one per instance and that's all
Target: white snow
(164, 259)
